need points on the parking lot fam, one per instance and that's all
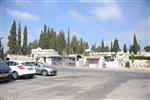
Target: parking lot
(80, 84)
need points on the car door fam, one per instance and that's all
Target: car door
(38, 68)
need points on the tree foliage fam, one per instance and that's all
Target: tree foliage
(102, 46)
(25, 42)
(68, 42)
(12, 43)
(111, 48)
(74, 44)
(93, 48)
(50, 39)
(19, 40)
(61, 42)
(135, 47)
(116, 46)
(124, 48)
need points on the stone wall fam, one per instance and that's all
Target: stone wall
(18, 57)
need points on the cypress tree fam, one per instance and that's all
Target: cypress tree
(41, 40)
(124, 48)
(12, 44)
(81, 47)
(135, 47)
(111, 48)
(74, 44)
(19, 39)
(44, 38)
(68, 42)
(61, 42)
(116, 46)
(25, 41)
(102, 46)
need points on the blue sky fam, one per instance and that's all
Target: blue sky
(91, 20)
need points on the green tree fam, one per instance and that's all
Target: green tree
(111, 48)
(54, 39)
(49, 36)
(68, 42)
(41, 40)
(61, 42)
(12, 44)
(102, 46)
(130, 49)
(82, 46)
(74, 44)
(135, 46)
(124, 48)
(98, 49)
(25, 42)
(116, 46)
(44, 39)
(93, 48)
(19, 39)
(147, 48)
(106, 49)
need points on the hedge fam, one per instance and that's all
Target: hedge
(139, 57)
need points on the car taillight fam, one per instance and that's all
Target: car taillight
(21, 67)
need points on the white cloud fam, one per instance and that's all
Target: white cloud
(76, 15)
(102, 10)
(22, 15)
(107, 11)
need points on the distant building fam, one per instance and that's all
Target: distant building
(42, 53)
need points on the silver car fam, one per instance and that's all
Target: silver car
(44, 69)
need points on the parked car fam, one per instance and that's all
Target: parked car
(5, 72)
(44, 69)
(21, 69)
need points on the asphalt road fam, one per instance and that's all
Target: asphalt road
(80, 84)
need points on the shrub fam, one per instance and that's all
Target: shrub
(127, 65)
(139, 57)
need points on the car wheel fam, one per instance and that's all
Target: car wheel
(44, 73)
(14, 75)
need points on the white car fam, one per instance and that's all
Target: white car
(21, 68)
